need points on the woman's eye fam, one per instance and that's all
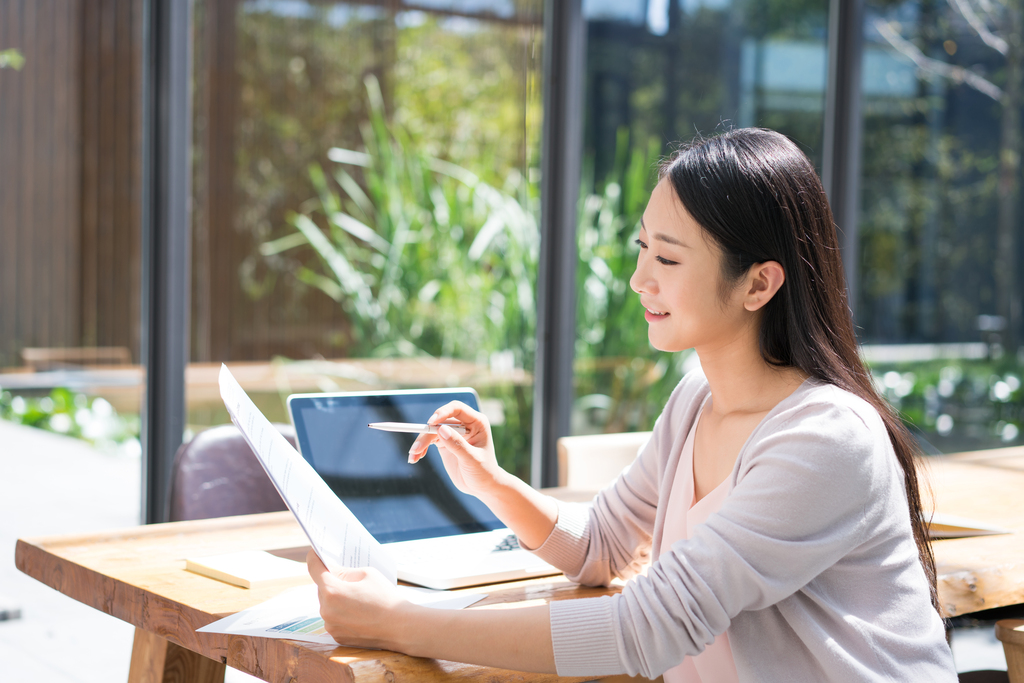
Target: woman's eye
(660, 259)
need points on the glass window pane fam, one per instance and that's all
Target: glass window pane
(938, 296)
(365, 200)
(655, 78)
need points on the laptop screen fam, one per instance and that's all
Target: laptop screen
(369, 469)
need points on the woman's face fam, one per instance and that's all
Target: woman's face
(678, 275)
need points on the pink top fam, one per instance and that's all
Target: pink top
(715, 663)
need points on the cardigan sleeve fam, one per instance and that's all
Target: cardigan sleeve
(610, 537)
(808, 492)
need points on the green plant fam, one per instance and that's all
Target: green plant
(955, 405)
(11, 59)
(622, 382)
(72, 414)
(424, 257)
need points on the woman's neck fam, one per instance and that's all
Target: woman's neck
(743, 382)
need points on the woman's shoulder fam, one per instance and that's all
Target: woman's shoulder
(814, 401)
(823, 418)
(820, 402)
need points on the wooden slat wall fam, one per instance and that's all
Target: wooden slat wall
(70, 178)
(10, 85)
(111, 173)
(217, 254)
(39, 180)
(70, 188)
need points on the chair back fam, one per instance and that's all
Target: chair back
(592, 461)
(216, 474)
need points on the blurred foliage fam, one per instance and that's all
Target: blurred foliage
(469, 92)
(77, 415)
(926, 235)
(930, 207)
(11, 59)
(622, 382)
(957, 405)
(424, 256)
(427, 259)
(462, 90)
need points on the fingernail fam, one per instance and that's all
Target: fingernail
(445, 432)
(411, 460)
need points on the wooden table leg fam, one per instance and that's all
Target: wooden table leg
(1011, 633)
(157, 660)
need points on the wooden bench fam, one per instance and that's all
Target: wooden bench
(40, 359)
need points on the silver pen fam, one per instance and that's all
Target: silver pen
(415, 428)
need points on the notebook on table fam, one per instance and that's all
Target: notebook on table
(439, 536)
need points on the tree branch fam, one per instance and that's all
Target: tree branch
(987, 8)
(990, 39)
(957, 74)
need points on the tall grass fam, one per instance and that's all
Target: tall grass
(425, 258)
(621, 381)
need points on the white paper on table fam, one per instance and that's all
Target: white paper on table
(941, 525)
(339, 539)
(295, 613)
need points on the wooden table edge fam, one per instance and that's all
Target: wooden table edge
(115, 597)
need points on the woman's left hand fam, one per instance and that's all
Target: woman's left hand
(359, 607)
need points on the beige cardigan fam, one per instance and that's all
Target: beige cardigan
(810, 563)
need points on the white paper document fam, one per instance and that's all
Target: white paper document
(339, 539)
(941, 525)
(295, 614)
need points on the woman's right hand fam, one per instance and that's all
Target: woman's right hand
(469, 459)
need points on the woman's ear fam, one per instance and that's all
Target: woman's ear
(763, 281)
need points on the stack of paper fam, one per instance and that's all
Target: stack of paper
(295, 613)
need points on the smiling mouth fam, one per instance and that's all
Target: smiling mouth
(657, 313)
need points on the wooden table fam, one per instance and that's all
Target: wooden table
(987, 571)
(137, 575)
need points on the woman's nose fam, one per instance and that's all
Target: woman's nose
(640, 283)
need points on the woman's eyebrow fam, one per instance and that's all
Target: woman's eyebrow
(662, 237)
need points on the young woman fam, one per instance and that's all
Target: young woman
(776, 502)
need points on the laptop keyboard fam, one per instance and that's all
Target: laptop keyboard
(510, 542)
(422, 554)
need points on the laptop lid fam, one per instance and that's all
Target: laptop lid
(369, 469)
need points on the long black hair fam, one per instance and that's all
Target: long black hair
(758, 198)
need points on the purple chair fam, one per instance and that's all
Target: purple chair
(216, 474)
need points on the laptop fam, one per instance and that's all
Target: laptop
(440, 537)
